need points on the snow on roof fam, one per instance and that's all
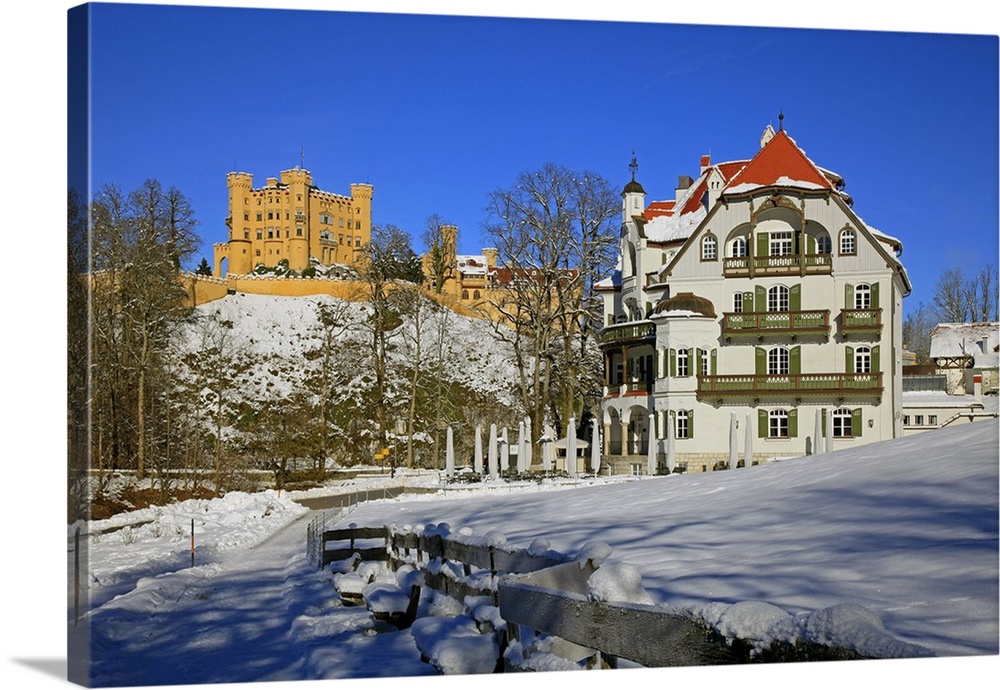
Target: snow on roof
(674, 228)
(977, 340)
(471, 264)
(611, 282)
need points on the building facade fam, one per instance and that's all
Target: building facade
(290, 219)
(753, 316)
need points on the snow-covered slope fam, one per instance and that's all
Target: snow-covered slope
(907, 529)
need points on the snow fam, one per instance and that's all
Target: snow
(889, 549)
(674, 228)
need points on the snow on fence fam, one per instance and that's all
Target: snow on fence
(537, 592)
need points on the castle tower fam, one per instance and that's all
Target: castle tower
(361, 198)
(299, 183)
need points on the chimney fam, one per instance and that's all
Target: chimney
(706, 162)
(684, 183)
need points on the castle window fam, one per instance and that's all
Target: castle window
(260, 234)
(246, 215)
(847, 242)
(708, 248)
(465, 294)
(357, 241)
(475, 294)
(682, 363)
(777, 361)
(357, 225)
(340, 222)
(777, 424)
(777, 298)
(683, 424)
(842, 423)
(270, 215)
(863, 296)
(257, 253)
(298, 232)
(738, 248)
(824, 245)
(863, 360)
(780, 243)
(270, 233)
(260, 217)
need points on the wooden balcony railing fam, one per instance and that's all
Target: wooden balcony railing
(815, 322)
(788, 264)
(861, 320)
(778, 385)
(627, 332)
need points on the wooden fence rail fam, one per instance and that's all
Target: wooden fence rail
(545, 593)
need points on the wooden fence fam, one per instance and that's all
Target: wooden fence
(538, 593)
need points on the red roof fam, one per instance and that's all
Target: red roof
(780, 158)
(659, 208)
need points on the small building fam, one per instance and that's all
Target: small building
(962, 350)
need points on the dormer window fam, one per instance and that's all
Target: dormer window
(848, 242)
(709, 248)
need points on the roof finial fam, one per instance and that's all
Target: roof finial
(781, 116)
(633, 166)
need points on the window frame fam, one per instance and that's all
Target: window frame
(777, 422)
(709, 248)
(778, 296)
(780, 240)
(842, 428)
(862, 359)
(848, 242)
(779, 361)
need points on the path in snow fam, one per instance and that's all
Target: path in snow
(260, 614)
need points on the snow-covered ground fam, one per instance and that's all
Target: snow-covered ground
(901, 536)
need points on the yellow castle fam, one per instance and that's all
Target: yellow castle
(291, 219)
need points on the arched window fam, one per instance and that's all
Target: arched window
(848, 244)
(709, 248)
(683, 368)
(683, 426)
(777, 298)
(738, 247)
(863, 296)
(777, 361)
(863, 360)
(465, 294)
(842, 423)
(475, 294)
(824, 245)
(777, 424)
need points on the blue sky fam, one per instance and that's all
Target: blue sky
(438, 111)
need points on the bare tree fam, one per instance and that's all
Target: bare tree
(440, 252)
(917, 327)
(387, 259)
(960, 297)
(554, 231)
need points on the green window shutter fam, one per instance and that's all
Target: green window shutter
(849, 359)
(760, 298)
(761, 423)
(856, 422)
(715, 363)
(795, 360)
(874, 295)
(822, 421)
(748, 301)
(673, 362)
(793, 423)
(760, 361)
(795, 297)
(649, 308)
(762, 248)
(690, 423)
(810, 244)
(696, 369)
(875, 367)
(848, 297)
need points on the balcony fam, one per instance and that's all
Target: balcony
(786, 385)
(627, 333)
(762, 323)
(861, 321)
(788, 264)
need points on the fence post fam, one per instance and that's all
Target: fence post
(493, 578)
(192, 542)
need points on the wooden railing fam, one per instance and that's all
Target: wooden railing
(772, 385)
(755, 323)
(626, 332)
(861, 320)
(548, 594)
(787, 264)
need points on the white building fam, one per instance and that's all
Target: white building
(755, 298)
